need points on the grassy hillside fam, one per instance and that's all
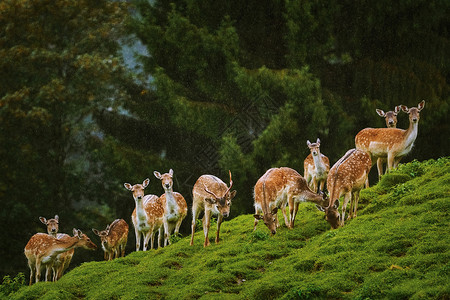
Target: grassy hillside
(397, 248)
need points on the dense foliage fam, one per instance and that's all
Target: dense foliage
(221, 85)
(397, 248)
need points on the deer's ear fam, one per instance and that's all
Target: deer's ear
(397, 109)
(336, 204)
(171, 172)
(233, 194)
(56, 218)
(318, 141)
(43, 220)
(274, 211)
(405, 108)
(258, 217)
(421, 105)
(308, 143)
(211, 201)
(95, 231)
(145, 183)
(320, 208)
(157, 174)
(128, 186)
(380, 112)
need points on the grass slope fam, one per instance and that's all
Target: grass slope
(397, 248)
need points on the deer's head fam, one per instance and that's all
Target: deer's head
(222, 202)
(269, 219)
(166, 179)
(83, 240)
(52, 225)
(332, 214)
(390, 117)
(414, 112)
(102, 234)
(137, 189)
(314, 147)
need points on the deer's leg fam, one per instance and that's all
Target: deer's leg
(38, 271)
(256, 220)
(352, 202)
(380, 167)
(283, 208)
(356, 195)
(347, 198)
(148, 237)
(219, 222)
(138, 239)
(390, 160)
(195, 212)
(32, 271)
(322, 185)
(206, 223)
(166, 232)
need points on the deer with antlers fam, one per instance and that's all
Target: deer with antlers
(148, 215)
(42, 249)
(175, 207)
(347, 177)
(61, 261)
(391, 122)
(277, 188)
(211, 195)
(316, 166)
(391, 143)
(114, 239)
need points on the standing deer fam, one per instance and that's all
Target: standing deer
(391, 122)
(211, 195)
(175, 207)
(114, 239)
(148, 215)
(42, 249)
(391, 143)
(277, 188)
(347, 177)
(61, 261)
(316, 167)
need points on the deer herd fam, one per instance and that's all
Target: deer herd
(278, 188)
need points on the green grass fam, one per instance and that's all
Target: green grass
(397, 248)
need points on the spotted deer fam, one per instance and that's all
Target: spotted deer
(42, 249)
(316, 166)
(391, 122)
(277, 188)
(114, 239)
(211, 195)
(147, 217)
(175, 207)
(391, 143)
(61, 261)
(347, 177)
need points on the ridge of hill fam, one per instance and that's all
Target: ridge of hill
(397, 248)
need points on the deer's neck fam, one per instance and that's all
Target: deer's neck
(318, 163)
(59, 248)
(140, 212)
(410, 136)
(171, 202)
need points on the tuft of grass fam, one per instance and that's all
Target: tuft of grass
(397, 248)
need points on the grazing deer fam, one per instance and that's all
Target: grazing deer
(61, 261)
(42, 249)
(277, 188)
(175, 207)
(148, 215)
(316, 167)
(391, 143)
(211, 195)
(347, 177)
(391, 122)
(114, 239)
